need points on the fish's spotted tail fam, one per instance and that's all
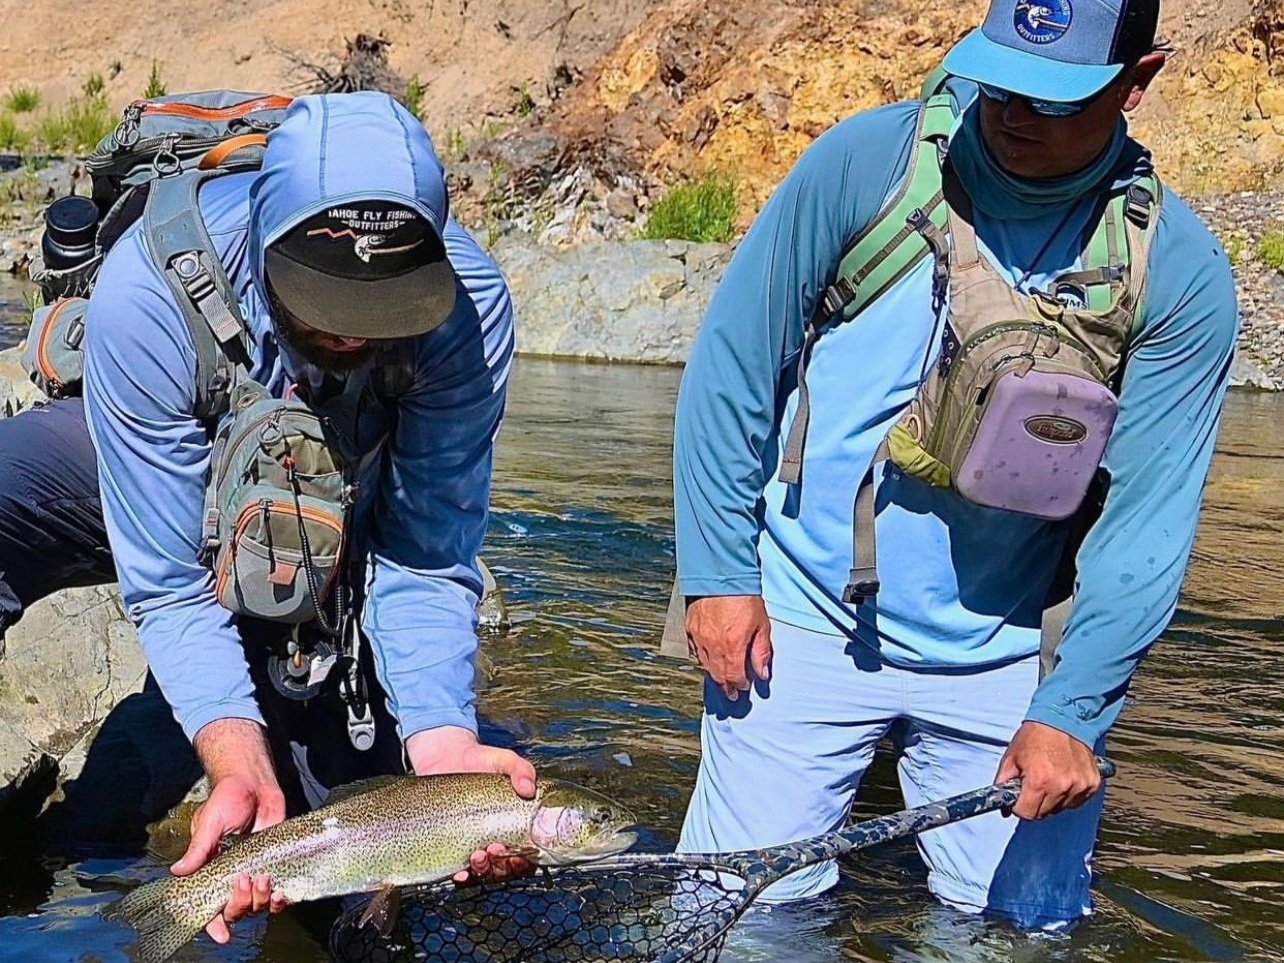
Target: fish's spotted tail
(151, 911)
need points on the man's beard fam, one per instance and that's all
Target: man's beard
(334, 362)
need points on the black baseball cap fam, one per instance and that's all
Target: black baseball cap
(363, 269)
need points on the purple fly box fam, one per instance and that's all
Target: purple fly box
(1038, 442)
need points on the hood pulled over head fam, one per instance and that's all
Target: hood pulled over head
(347, 217)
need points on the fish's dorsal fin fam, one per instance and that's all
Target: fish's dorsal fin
(350, 789)
(383, 911)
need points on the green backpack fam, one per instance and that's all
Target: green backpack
(992, 419)
(1017, 411)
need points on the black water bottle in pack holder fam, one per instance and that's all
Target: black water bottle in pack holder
(71, 225)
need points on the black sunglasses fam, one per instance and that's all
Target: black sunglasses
(1044, 108)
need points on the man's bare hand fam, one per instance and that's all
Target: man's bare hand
(731, 637)
(452, 749)
(244, 798)
(1057, 770)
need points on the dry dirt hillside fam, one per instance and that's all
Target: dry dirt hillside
(644, 91)
(717, 83)
(475, 57)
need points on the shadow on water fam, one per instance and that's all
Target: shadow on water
(1191, 864)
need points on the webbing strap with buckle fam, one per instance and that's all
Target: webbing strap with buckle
(1139, 202)
(193, 271)
(184, 254)
(862, 582)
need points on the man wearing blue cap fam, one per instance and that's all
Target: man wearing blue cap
(341, 254)
(812, 654)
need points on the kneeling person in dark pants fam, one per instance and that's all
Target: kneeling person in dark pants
(347, 273)
(51, 523)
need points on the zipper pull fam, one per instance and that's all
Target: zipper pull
(1040, 330)
(126, 133)
(265, 526)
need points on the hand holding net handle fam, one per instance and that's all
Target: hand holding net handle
(780, 860)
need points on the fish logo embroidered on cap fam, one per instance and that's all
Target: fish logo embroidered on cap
(371, 229)
(363, 269)
(1042, 22)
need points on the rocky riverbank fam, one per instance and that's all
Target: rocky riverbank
(609, 298)
(1241, 221)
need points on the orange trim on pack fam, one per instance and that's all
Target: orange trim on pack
(249, 513)
(272, 102)
(216, 155)
(42, 346)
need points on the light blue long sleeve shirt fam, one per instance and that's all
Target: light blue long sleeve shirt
(421, 529)
(962, 585)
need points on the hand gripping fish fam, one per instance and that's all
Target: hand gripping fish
(382, 833)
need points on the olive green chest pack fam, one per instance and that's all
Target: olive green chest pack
(1016, 412)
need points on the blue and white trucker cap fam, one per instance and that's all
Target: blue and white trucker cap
(1060, 50)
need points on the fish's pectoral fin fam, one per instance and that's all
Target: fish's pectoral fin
(383, 911)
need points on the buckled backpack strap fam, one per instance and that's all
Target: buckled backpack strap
(908, 227)
(183, 252)
(862, 582)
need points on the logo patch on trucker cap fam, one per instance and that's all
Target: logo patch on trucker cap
(363, 269)
(1042, 22)
(367, 240)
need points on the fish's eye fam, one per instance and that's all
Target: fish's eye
(602, 814)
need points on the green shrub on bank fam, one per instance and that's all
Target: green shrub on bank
(414, 99)
(13, 139)
(702, 210)
(78, 127)
(22, 100)
(1270, 249)
(155, 86)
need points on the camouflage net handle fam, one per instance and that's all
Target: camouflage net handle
(639, 907)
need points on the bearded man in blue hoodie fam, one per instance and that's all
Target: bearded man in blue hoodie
(942, 648)
(341, 244)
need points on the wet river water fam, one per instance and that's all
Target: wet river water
(1191, 861)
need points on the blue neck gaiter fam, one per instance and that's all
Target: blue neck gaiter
(1003, 195)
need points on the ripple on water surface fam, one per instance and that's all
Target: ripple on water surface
(1190, 866)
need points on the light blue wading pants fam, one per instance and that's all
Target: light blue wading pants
(784, 762)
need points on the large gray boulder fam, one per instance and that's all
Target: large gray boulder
(65, 666)
(638, 301)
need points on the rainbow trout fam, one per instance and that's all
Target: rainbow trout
(386, 832)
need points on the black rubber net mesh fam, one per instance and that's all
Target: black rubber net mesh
(570, 916)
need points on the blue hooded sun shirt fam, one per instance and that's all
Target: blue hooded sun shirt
(962, 586)
(423, 522)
